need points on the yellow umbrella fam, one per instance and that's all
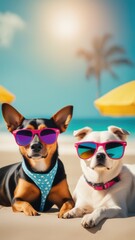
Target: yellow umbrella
(118, 102)
(5, 95)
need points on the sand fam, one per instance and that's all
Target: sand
(47, 226)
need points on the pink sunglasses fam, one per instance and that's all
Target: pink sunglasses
(23, 137)
(114, 149)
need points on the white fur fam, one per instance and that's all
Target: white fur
(116, 201)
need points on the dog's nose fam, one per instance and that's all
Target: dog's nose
(36, 147)
(101, 157)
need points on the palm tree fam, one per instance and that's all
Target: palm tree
(103, 58)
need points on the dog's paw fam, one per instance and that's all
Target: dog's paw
(30, 211)
(90, 220)
(75, 212)
(66, 207)
(68, 214)
(26, 208)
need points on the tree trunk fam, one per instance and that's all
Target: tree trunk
(98, 86)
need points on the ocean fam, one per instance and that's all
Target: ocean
(97, 124)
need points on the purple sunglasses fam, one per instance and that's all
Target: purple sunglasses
(23, 137)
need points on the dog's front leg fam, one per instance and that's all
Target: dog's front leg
(78, 211)
(91, 220)
(69, 204)
(60, 195)
(23, 206)
(67, 200)
(24, 194)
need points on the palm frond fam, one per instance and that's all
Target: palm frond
(100, 42)
(113, 74)
(114, 50)
(105, 39)
(121, 61)
(102, 57)
(89, 72)
(85, 54)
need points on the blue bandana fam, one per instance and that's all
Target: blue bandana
(43, 181)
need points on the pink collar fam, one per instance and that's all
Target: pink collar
(103, 186)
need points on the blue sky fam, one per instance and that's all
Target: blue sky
(38, 62)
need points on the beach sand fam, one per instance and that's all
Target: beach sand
(47, 226)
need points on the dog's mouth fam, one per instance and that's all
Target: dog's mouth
(100, 166)
(37, 156)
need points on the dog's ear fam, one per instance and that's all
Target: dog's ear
(63, 117)
(81, 133)
(12, 117)
(119, 132)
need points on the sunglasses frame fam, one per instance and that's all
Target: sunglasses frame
(124, 144)
(35, 132)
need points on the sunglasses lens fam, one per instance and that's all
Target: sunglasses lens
(86, 150)
(23, 137)
(114, 150)
(48, 136)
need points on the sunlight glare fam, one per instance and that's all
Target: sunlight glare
(65, 25)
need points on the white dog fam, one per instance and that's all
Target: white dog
(107, 187)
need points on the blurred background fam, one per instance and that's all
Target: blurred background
(59, 52)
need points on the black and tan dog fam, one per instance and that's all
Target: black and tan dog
(18, 188)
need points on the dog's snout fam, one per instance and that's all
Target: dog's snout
(36, 147)
(101, 157)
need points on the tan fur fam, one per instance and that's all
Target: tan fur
(59, 195)
(47, 149)
(26, 192)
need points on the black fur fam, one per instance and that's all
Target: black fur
(9, 175)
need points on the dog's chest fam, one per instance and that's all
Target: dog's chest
(89, 196)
